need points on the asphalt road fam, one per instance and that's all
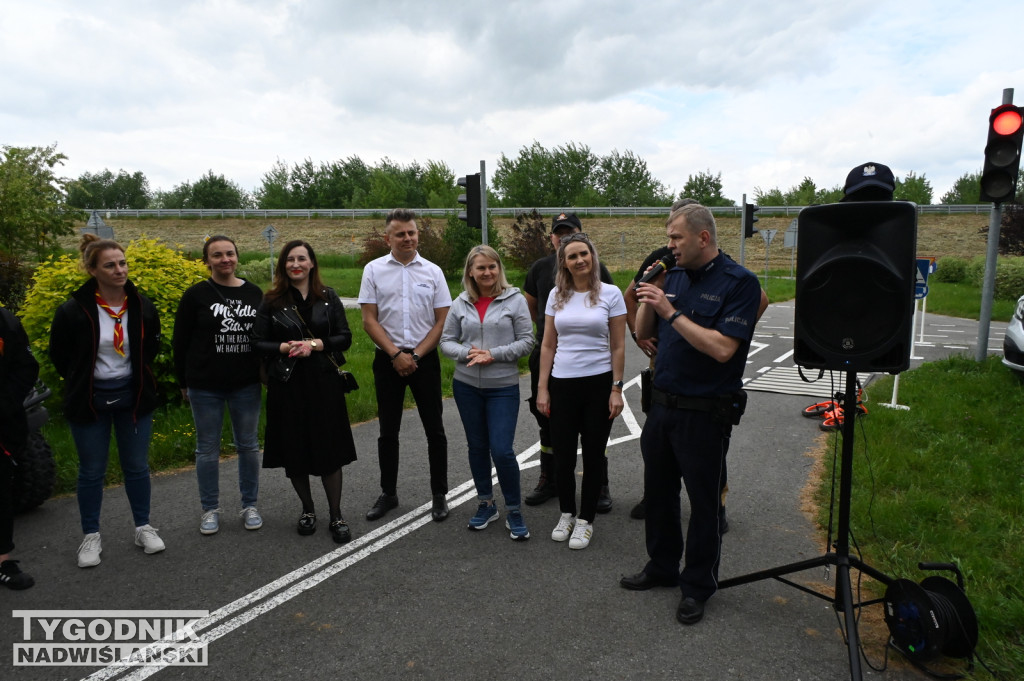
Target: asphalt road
(414, 599)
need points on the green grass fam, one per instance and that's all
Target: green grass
(942, 482)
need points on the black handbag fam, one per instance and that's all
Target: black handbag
(348, 381)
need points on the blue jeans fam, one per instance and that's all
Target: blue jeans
(489, 416)
(93, 443)
(208, 413)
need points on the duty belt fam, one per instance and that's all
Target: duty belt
(683, 402)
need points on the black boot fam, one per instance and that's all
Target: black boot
(545, 488)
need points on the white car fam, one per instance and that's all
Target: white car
(1013, 343)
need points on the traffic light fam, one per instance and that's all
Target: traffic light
(471, 199)
(1002, 154)
(749, 219)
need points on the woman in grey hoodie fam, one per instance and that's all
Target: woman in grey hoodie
(486, 332)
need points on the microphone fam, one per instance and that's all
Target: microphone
(666, 263)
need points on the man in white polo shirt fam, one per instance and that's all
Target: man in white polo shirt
(405, 300)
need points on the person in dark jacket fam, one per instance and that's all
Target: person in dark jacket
(302, 331)
(217, 366)
(103, 342)
(18, 372)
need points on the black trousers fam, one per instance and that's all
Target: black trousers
(6, 504)
(425, 384)
(684, 447)
(579, 413)
(542, 421)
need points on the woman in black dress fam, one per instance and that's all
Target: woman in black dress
(302, 331)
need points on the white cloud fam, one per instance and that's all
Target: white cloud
(765, 93)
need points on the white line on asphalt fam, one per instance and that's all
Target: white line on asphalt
(311, 574)
(784, 357)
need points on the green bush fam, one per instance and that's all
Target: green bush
(1009, 276)
(257, 271)
(14, 278)
(159, 272)
(951, 270)
(1010, 279)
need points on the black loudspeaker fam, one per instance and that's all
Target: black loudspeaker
(855, 274)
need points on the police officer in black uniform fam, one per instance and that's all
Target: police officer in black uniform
(703, 313)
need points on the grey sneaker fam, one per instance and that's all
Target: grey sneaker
(89, 551)
(147, 537)
(251, 518)
(210, 523)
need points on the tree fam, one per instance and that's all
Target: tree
(439, 185)
(706, 188)
(34, 210)
(209, 191)
(624, 180)
(803, 194)
(106, 190)
(914, 188)
(965, 191)
(275, 191)
(769, 197)
(525, 180)
(564, 176)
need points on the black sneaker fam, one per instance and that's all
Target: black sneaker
(12, 577)
(384, 503)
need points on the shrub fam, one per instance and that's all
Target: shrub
(1009, 276)
(14, 278)
(257, 271)
(528, 240)
(951, 270)
(160, 273)
(1009, 279)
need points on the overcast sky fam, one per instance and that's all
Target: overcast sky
(764, 92)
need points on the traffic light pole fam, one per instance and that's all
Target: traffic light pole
(988, 286)
(483, 203)
(743, 237)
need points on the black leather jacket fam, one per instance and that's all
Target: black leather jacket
(277, 323)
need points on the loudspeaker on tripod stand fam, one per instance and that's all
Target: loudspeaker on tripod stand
(855, 275)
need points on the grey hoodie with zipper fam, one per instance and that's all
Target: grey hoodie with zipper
(506, 330)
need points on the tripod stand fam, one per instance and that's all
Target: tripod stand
(842, 601)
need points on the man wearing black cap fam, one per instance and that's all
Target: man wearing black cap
(540, 280)
(869, 182)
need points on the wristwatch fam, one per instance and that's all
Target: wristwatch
(618, 384)
(415, 358)
(313, 344)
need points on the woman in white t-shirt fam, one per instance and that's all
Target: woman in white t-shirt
(580, 387)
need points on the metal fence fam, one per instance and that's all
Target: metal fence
(598, 211)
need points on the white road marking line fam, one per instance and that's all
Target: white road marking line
(784, 357)
(313, 573)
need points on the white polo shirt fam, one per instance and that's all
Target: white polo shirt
(406, 297)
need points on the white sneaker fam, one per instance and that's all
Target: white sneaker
(581, 535)
(89, 551)
(147, 538)
(564, 527)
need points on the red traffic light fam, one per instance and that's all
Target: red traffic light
(1006, 122)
